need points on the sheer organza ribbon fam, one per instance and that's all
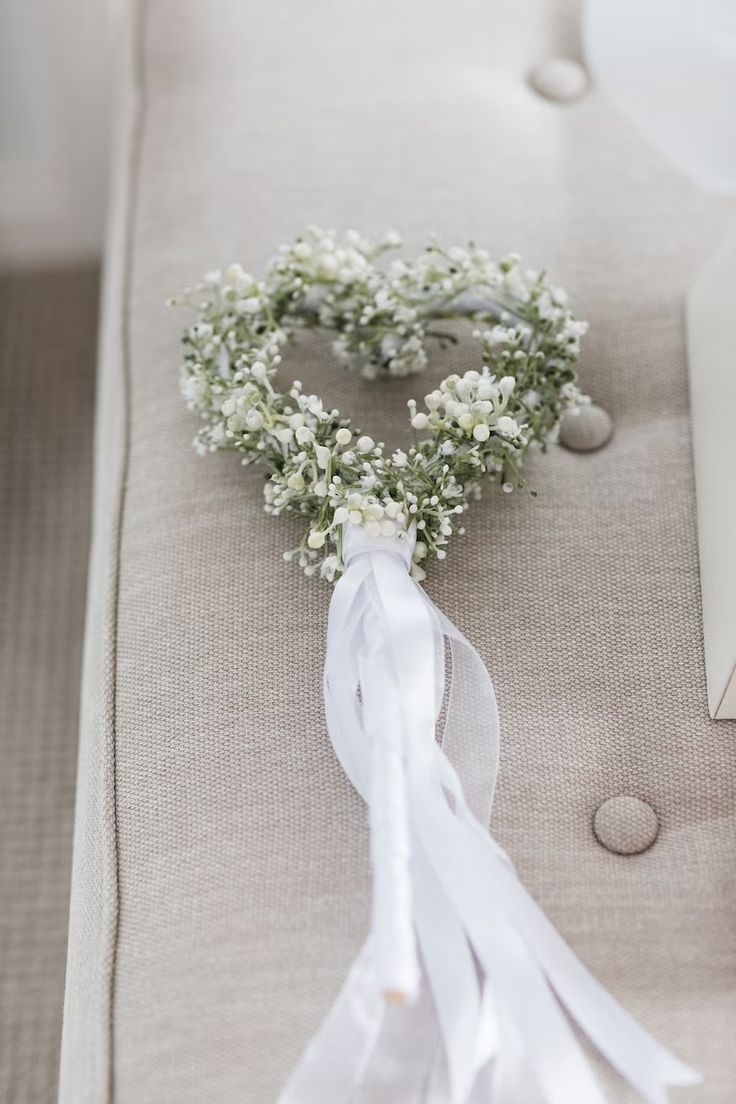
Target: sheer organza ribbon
(458, 952)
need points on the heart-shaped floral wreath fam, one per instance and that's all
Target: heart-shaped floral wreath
(409, 705)
(480, 423)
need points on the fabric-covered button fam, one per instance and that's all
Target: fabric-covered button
(586, 428)
(625, 825)
(559, 78)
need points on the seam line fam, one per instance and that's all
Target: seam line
(138, 31)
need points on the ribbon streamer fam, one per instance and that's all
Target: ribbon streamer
(456, 942)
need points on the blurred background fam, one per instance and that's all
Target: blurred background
(55, 64)
(55, 91)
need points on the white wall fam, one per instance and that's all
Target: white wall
(54, 71)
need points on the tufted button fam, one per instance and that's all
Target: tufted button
(625, 825)
(559, 78)
(585, 428)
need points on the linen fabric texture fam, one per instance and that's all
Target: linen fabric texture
(221, 877)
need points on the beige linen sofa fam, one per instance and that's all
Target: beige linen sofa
(221, 878)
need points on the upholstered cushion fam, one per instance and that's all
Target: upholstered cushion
(221, 877)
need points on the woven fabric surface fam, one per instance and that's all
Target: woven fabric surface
(48, 323)
(229, 849)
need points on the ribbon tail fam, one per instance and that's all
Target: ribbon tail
(465, 1021)
(335, 1060)
(448, 908)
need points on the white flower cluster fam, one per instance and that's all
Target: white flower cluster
(481, 423)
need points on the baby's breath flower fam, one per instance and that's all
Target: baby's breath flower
(383, 316)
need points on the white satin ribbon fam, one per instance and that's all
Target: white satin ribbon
(445, 894)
